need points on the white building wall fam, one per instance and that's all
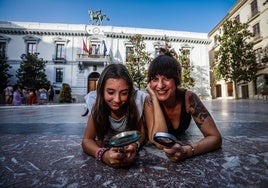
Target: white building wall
(115, 39)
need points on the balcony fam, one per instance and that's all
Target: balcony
(95, 59)
(61, 59)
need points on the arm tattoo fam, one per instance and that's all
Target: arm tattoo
(200, 112)
(148, 101)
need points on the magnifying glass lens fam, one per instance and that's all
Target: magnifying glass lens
(125, 138)
(165, 139)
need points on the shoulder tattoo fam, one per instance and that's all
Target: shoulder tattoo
(199, 111)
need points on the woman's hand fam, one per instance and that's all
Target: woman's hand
(176, 153)
(114, 158)
(150, 91)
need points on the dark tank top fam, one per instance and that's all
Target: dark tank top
(185, 117)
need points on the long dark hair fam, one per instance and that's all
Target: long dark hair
(165, 64)
(101, 110)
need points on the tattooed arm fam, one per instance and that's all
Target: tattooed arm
(212, 138)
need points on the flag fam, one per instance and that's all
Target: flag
(85, 46)
(90, 48)
(104, 48)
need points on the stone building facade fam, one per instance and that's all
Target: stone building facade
(255, 14)
(76, 54)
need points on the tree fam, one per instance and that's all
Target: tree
(31, 73)
(137, 61)
(65, 94)
(183, 58)
(235, 59)
(4, 75)
(187, 80)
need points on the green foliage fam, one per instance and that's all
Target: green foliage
(265, 59)
(235, 59)
(137, 61)
(4, 75)
(31, 73)
(65, 94)
(187, 81)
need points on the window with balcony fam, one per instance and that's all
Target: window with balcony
(157, 46)
(3, 46)
(256, 31)
(237, 18)
(95, 49)
(254, 8)
(2, 50)
(31, 48)
(156, 51)
(59, 75)
(60, 50)
(60, 54)
(259, 55)
(129, 51)
(215, 40)
(31, 43)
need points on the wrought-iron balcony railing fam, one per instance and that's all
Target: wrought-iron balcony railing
(92, 58)
(61, 59)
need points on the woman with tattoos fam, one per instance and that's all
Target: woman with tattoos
(171, 108)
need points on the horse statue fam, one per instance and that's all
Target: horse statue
(97, 17)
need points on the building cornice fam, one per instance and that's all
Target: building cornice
(51, 29)
(231, 12)
(160, 38)
(9, 31)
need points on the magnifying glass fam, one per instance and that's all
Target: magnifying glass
(165, 139)
(124, 138)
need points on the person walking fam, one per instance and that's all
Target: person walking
(17, 96)
(8, 95)
(50, 94)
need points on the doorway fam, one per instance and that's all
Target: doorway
(218, 90)
(92, 81)
(245, 94)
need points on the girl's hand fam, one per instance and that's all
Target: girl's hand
(114, 158)
(176, 153)
(130, 154)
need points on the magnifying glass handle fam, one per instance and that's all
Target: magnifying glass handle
(177, 142)
(121, 150)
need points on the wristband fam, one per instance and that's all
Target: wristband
(192, 149)
(100, 152)
(138, 145)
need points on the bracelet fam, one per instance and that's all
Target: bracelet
(138, 145)
(100, 152)
(192, 149)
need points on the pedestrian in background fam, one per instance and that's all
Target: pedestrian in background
(50, 94)
(17, 96)
(8, 94)
(32, 98)
(42, 95)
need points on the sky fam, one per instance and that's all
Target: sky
(181, 15)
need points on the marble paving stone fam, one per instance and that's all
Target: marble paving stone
(40, 148)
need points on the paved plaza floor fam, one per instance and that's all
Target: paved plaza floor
(41, 147)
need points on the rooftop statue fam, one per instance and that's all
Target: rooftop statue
(97, 17)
